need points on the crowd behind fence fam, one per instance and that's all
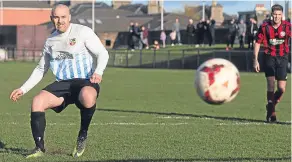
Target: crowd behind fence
(166, 58)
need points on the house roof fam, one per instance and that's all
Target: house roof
(137, 9)
(111, 24)
(80, 8)
(104, 13)
(108, 19)
(26, 4)
(169, 20)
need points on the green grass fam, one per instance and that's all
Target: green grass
(124, 57)
(150, 115)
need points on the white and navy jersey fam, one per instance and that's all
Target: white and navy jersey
(76, 53)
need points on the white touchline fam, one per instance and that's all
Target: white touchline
(250, 123)
(113, 123)
(173, 117)
(144, 124)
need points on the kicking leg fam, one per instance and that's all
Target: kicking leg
(44, 100)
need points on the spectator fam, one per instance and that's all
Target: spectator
(172, 37)
(190, 32)
(136, 36)
(212, 31)
(156, 45)
(251, 31)
(176, 28)
(241, 33)
(131, 44)
(208, 32)
(232, 30)
(163, 38)
(144, 37)
(200, 33)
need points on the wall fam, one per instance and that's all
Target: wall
(112, 36)
(26, 16)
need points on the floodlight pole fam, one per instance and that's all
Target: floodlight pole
(287, 9)
(161, 11)
(203, 10)
(93, 16)
(1, 8)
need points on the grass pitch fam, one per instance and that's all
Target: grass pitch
(150, 115)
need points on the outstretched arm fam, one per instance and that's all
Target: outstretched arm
(38, 73)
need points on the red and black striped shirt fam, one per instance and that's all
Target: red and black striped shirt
(275, 41)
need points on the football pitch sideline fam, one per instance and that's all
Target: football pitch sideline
(149, 115)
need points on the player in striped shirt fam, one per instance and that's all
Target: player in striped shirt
(274, 35)
(78, 59)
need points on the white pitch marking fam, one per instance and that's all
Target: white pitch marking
(174, 117)
(248, 123)
(141, 124)
(113, 123)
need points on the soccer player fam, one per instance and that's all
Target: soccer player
(78, 59)
(274, 35)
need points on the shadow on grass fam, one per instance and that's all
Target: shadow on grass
(25, 152)
(197, 159)
(195, 116)
(9, 150)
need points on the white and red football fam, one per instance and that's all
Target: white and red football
(217, 81)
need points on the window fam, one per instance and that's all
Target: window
(82, 21)
(98, 21)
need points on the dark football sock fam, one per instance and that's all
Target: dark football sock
(86, 116)
(277, 96)
(38, 124)
(270, 97)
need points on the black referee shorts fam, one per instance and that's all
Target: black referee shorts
(69, 90)
(276, 66)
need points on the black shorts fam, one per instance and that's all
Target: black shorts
(276, 66)
(69, 90)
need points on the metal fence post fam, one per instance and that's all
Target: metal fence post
(23, 54)
(246, 62)
(13, 54)
(183, 59)
(198, 58)
(154, 59)
(127, 59)
(168, 59)
(34, 56)
(213, 52)
(140, 58)
(114, 57)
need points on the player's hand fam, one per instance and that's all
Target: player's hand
(16, 94)
(256, 66)
(95, 78)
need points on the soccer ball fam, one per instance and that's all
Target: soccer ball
(217, 81)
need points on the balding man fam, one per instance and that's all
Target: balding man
(78, 59)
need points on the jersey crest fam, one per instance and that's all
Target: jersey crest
(72, 41)
(282, 34)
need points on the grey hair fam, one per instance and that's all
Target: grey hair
(56, 6)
